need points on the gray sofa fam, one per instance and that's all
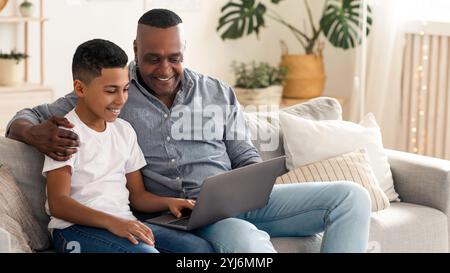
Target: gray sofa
(417, 224)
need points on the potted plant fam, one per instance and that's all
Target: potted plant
(26, 8)
(258, 84)
(9, 67)
(340, 22)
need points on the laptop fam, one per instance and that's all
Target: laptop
(228, 195)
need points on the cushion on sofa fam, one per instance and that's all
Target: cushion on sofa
(18, 241)
(307, 141)
(353, 166)
(404, 227)
(15, 212)
(25, 164)
(265, 126)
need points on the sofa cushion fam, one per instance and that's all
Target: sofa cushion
(265, 126)
(25, 164)
(17, 239)
(306, 141)
(353, 166)
(403, 227)
(15, 210)
(406, 227)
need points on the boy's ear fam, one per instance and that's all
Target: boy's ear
(79, 88)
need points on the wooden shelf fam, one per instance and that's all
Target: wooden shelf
(23, 88)
(19, 19)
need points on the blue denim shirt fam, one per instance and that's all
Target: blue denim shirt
(177, 162)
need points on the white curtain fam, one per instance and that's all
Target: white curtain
(384, 66)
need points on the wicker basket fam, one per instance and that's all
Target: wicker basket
(259, 96)
(306, 77)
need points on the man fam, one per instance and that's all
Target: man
(160, 87)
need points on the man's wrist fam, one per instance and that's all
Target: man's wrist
(26, 134)
(19, 130)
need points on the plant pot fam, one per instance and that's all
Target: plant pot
(259, 96)
(26, 9)
(9, 72)
(3, 4)
(306, 76)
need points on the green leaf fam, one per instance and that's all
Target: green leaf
(342, 23)
(239, 16)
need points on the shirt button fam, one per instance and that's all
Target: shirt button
(165, 115)
(168, 138)
(172, 160)
(178, 178)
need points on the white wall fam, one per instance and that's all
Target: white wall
(74, 21)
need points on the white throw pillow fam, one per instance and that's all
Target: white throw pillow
(306, 141)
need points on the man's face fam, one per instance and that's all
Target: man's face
(106, 95)
(159, 55)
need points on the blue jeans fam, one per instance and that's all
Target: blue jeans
(339, 209)
(85, 239)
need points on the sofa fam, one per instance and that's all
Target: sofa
(418, 223)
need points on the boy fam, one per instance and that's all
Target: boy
(89, 194)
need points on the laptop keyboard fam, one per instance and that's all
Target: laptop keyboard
(180, 222)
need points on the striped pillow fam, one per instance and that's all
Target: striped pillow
(353, 166)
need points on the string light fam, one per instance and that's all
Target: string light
(422, 88)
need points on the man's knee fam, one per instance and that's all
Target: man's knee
(237, 236)
(354, 196)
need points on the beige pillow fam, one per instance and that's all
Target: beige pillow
(14, 208)
(18, 239)
(353, 166)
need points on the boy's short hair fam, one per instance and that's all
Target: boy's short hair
(160, 18)
(94, 55)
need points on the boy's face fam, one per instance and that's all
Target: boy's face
(105, 95)
(159, 54)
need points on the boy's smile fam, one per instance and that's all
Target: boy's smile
(103, 98)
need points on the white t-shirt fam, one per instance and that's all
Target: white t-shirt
(99, 168)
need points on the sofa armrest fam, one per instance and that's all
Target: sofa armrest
(5, 241)
(421, 179)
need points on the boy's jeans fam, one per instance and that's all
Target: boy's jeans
(77, 238)
(339, 209)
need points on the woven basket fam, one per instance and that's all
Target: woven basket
(306, 76)
(260, 96)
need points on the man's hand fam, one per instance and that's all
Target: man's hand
(55, 142)
(177, 204)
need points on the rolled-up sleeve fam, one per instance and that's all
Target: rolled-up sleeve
(240, 148)
(42, 112)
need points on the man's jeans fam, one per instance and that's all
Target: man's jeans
(84, 239)
(339, 209)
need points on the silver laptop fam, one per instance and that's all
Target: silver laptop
(228, 195)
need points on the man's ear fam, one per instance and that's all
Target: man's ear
(135, 50)
(79, 88)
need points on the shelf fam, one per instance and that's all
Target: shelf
(26, 87)
(19, 19)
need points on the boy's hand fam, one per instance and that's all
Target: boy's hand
(177, 204)
(55, 142)
(130, 229)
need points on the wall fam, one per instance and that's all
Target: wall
(74, 21)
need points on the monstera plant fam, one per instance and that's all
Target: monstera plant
(341, 22)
